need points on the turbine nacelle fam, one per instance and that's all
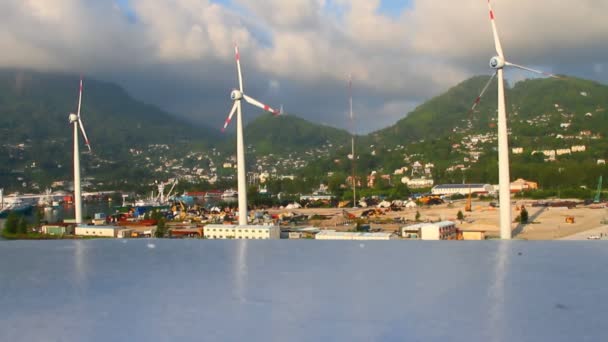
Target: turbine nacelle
(73, 118)
(236, 95)
(497, 62)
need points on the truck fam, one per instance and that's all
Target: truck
(143, 234)
(186, 232)
(124, 233)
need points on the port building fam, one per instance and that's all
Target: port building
(521, 184)
(333, 235)
(57, 229)
(444, 230)
(473, 234)
(99, 231)
(463, 189)
(249, 232)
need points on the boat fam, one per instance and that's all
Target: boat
(17, 206)
(213, 194)
(229, 193)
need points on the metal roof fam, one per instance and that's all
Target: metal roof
(236, 226)
(459, 186)
(352, 234)
(273, 290)
(99, 227)
(441, 224)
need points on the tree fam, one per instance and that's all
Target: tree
(38, 218)
(399, 191)
(160, 228)
(11, 224)
(523, 215)
(460, 215)
(22, 226)
(156, 215)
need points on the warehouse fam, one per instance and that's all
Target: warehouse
(463, 189)
(333, 235)
(101, 231)
(231, 231)
(444, 230)
(473, 234)
(57, 229)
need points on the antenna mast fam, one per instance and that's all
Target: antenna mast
(352, 124)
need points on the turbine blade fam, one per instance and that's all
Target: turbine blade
(84, 134)
(232, 111)
(238, 66)
(79, 97)
(495, 31)
(483, 91)
(259, 104)
(350, 95)
(532, 70)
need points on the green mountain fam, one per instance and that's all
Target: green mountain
(288, 133)
(36, 133)
(526, 100)
(438, 116)
(543, 115)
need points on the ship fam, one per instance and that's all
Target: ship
(17, 206)
(230, 193)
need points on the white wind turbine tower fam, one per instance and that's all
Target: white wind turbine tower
(77, 122)
(237, 96)
(498, 62)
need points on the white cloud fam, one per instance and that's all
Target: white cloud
(306, 45)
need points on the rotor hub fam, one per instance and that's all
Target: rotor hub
(236, 95)
(73, 117)
(497, 62)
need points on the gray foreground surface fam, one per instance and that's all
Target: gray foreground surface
(180, 290)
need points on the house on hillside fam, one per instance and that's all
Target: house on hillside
(521, 184)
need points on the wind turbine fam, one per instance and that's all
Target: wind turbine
(352, 123)
(77, 122)
(498, 63)
(237, 95)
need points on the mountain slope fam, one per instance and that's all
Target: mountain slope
(543, 115)
(437, 116)
(35, 106)
(526, 100)
(289, 133)
(34, 111)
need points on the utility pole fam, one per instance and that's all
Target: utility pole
(559, 182)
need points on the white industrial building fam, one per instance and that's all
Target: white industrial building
(418, 183)
(101, 231)
(333, 235)
(463, 189)
(232, 231)
(444, 230)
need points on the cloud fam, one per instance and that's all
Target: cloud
(179, 53)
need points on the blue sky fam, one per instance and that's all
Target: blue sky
(393, 8)
(390, 8)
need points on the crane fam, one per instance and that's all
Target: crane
(469, 205)
(599, 191)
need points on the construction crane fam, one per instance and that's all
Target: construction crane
(599, 191)
(469, 205)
